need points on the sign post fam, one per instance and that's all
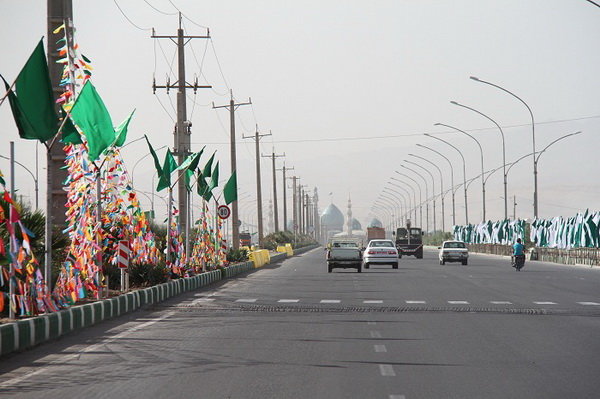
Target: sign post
(123, 263)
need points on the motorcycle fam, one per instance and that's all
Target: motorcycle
(518, 261)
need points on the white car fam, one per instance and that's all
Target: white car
(380, 252)
(453, 251)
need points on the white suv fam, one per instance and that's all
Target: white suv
(453, 251)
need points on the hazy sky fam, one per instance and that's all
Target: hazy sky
(348, 88)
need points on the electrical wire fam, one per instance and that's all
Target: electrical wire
(219, 64)
(127, 18)
(156, 9)
(186, 17)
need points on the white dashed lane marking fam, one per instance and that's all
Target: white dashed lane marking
(413, 302)
(397, 397)
(247, 300)
(373, 301)
(380, 348)
(330, 301)
(288, 300)
(545, 303)
(501, 302)
(589, 303)
(458, 302)
(375, 334)
(387, 370)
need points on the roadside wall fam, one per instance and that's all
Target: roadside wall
(27, 333)
(574, 256)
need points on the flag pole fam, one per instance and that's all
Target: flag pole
(8, 91)
(11, 278)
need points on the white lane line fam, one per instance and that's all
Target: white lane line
(247, 300)
(74, 356)
(458, 302)
(375, 301)
(380, 348)
(589, 303)
(195, 301)
(397, 397)
(545, 303)
(375, 334)
(330, 301)
(415, 301)
(288, 300)
(387, 370)
(501, 302)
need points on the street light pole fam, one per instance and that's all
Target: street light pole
(464, 171)
(503, 151)
(452, 188)
(395, 194)
(432, 190)
(420, 196)
(441, 190)
(480, 151)
(426, 195)
(396, 202)
(35, 180)
(535, 183)
(414, 193)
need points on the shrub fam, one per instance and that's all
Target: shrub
(237, 255)
(144, 274)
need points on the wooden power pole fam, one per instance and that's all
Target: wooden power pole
(235, 231)
(273, 156)
(183, 131)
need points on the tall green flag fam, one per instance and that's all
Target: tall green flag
(202, 187)
(92, 118)
(33, 104)
(214, 178)
(169, 165)
(121, 131)
(153, 153)
(230, 189)
(206, 171)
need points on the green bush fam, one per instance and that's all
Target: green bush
(144, 275)
(237, 255)
(437, 238)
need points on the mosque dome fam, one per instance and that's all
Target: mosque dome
(375, 223)
(332, 218)
(356, 224)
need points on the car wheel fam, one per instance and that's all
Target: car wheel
(395, 266)
(329, 268)
(443, 262)
(464, 262)
(366, 265)
(359, 269)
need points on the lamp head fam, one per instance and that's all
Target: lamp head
(437, 124)
(454, 102)
(474, 78)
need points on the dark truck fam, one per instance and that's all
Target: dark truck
(409, 241)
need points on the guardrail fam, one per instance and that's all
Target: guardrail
(573, 256)
(24, 334)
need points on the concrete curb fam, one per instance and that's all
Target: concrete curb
(24, 334)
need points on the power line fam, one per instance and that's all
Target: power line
(186, 17)
(156, 9)
(219, 64)
(127, 18)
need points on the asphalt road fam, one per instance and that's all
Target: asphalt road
(295, 331)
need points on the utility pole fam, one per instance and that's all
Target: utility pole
(257, 136)
(285, 220)
(295, 202)
(515, 207)
(316, 220)
(275, 207)
(235, 232)
(183, 131)
(58, 12)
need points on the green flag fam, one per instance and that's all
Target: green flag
(33, 104)
(169, 165)
(214, 178)
(92, 118)
(202, 188)
(156, 161)
(206, 171)
(230, 189)
(121, 131)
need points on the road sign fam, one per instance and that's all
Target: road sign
(123, 257)
(223, 211)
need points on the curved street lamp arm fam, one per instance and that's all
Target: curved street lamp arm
(558, 139)
(23, 166)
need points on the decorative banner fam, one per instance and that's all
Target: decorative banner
(500, 232)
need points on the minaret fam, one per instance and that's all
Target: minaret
(349, 225)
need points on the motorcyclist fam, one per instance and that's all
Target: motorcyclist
(518, 255)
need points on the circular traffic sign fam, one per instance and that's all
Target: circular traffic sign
(223, 211)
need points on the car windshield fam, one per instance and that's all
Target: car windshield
(345, 245)
(381, 244)
(454, 245)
